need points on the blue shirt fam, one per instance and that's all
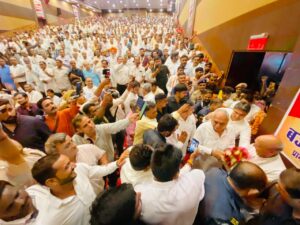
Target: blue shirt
(90, 73)
(6, 78)
(221, 204)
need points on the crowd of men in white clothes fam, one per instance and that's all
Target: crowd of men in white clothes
(122, 121)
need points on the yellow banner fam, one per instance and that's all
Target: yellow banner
(289, 131)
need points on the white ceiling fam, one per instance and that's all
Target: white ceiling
(127, 4)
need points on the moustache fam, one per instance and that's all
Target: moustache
(11, 120)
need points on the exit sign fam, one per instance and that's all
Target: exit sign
(258, 42)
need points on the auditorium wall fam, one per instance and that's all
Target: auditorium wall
(225, 26)
(20, 13)
(15, 14)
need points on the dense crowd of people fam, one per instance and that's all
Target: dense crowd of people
(122, 120)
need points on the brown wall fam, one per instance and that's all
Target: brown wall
(285, 94)
(19, 14)
(280, 19)
(15, 14)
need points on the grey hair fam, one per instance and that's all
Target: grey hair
(244, 106)
(220, 110)
(53, 140)
(147, 87)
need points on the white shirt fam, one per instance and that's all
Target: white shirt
(182, 52)
(188, 125)
(253, 111)
(30, 219)
(150, 97)
(89, 92)
(61, 78)
(56, 100)
(103, 136)
(49, 82)
(172, 66)
(158, 91)
(73, 210)
(210, 140)
(172, 81)
(34, 96)
(65, 60)
(16, 71)
(272, 166)
(174, 202)
(120, 74)
(134, 177)
(90, 155)
(137, 72)
(242, 129)
(131, 97)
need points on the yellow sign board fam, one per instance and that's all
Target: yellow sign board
(288, 131)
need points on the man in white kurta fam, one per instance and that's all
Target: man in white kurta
(172, 202)
(72, 210)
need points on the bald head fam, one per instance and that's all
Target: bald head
(268, 146)
(247, 175)
(220, 120)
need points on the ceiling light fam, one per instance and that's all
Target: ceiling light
(120, 10)
(107, 2)
(113, 5)
(161, 10)
(121, 2)
(150, 10)
(136, 5)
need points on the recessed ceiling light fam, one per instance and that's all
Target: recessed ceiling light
(107, 2)
(113, 5)
(150, 10)
(136, 5)
(120, 10)
(121, 2)
(161, 10)
(109, 11)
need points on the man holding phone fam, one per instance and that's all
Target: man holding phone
(213, 137)
(161, 73)
(121, 75)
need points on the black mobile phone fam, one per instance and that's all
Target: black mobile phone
(78, 88)
(142, 112)
(106, 73)
(193, 146)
